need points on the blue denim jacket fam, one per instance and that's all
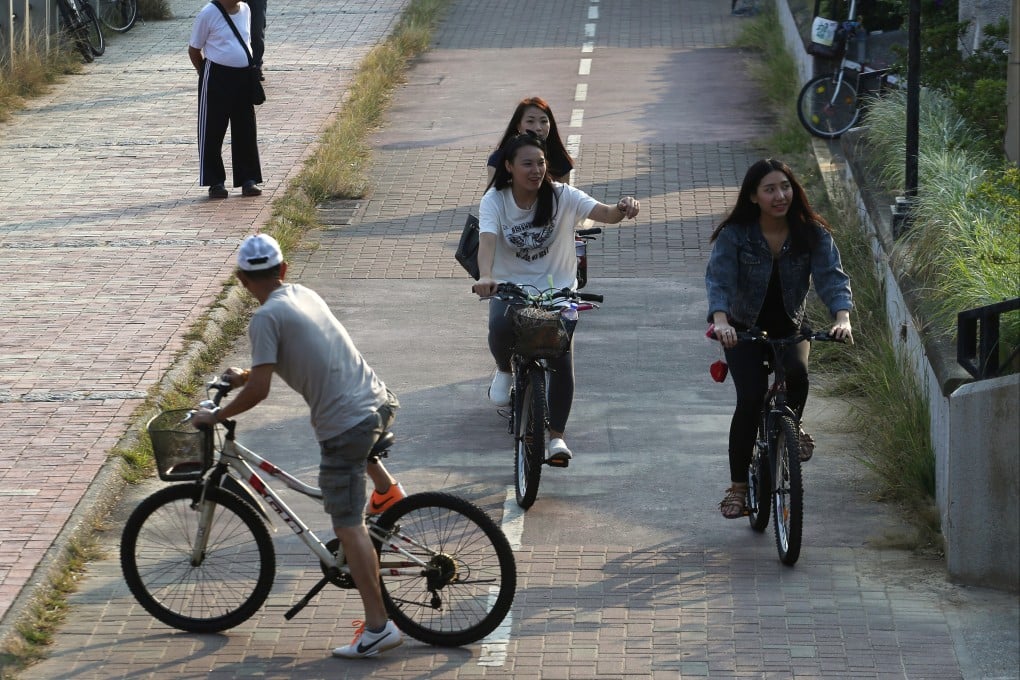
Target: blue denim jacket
(740, 266)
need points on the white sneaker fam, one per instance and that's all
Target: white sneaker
(559, 454)
(366, 643)
(499, 390)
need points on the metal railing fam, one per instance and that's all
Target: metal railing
(24, 22)
(977, 339)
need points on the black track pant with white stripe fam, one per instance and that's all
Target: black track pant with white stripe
(223, 97)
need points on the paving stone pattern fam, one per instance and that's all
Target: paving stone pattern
(141, 254)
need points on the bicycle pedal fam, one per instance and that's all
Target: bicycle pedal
(558, 462)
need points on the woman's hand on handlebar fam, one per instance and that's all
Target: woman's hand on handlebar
(484, 287)
(724, 332)
(841, 329)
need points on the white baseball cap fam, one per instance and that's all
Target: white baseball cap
(258, 252)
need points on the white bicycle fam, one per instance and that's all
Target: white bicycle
(198, 555)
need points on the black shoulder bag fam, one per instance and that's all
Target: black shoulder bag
(467, 249)
(258, 93)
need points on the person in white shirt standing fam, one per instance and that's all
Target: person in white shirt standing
(224, 98)
(526, 236)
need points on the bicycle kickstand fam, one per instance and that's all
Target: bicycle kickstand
(303, 602)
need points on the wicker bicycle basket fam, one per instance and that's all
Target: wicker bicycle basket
(539, 333)
(182, 452)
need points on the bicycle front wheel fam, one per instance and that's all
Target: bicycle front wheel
(470, 578)
(93, 34)
(117, 15)
(225, 586)
(827, 106)
(529, 437)
(788, 498)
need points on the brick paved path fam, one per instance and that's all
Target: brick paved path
(625, 569)
(110, 251)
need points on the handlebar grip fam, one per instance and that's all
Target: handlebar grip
(588, 232)
(589, 297)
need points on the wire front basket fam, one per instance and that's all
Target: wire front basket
(182, 452)
(540, 333)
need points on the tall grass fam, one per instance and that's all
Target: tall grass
(340, 167)
(30, 72)
(774, 71)
(889, 411)
(963, 244)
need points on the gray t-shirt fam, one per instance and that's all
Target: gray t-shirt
(295, 330)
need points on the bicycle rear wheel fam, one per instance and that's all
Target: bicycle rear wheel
(226, 587)
(827, 106)
(759, 487)
(788, 498)
(93, 34)
(117, 15)
(529, 437)
(469, 584)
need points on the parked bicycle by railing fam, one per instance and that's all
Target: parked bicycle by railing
(78, 21)
(117, 15)
(774, 475)
(544, 323)
(831, 104)
(198, 556)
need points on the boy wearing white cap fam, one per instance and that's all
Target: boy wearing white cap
(294, 334)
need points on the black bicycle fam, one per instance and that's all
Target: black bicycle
(80, 24)
(198, 555)
(544, 323)
(116, 15)
(774, 477)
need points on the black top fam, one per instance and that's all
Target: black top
(773, 318)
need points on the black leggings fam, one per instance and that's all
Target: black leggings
(751, 379)
(561, 376)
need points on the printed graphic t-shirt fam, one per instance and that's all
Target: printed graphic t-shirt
(526, 254)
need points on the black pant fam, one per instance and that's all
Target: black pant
(750, 377)
(224, 98)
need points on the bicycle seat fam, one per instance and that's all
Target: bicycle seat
(383, 444)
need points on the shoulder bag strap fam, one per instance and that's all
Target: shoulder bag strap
(236, 32)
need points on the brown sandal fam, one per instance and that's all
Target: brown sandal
(807, 446)
(734, 504)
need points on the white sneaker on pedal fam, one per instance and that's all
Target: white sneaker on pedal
(559, 453)
(499, 390)
(366, 643)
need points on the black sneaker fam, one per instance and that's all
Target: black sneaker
(250, 189)
(218, 191)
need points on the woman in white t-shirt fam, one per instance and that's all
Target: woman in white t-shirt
(526, 225)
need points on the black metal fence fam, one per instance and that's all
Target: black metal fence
(978, 341)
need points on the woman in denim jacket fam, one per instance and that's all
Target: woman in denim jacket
(765, 256)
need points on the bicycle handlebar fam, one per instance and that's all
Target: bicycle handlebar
(758, 335)
(511, 292)
(588, 232)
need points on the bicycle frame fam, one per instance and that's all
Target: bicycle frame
(243, 465)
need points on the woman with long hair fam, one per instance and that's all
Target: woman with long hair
(534, 115)
(526, 225)
(766, 254)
